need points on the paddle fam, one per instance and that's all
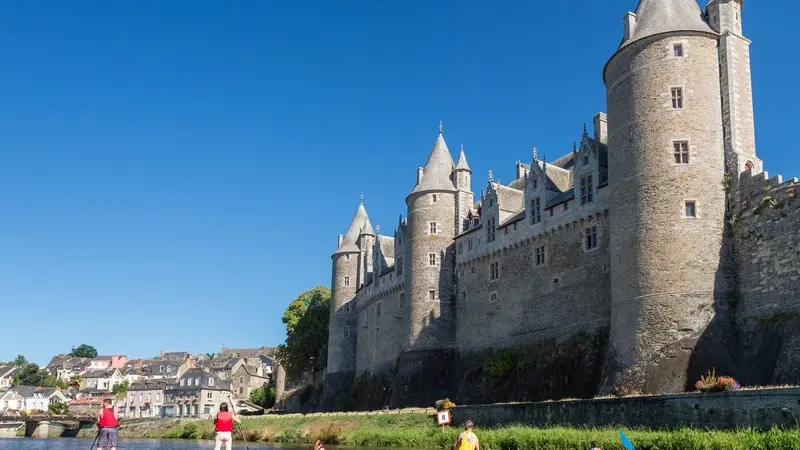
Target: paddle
(241, 429)
(96, 436)
(625, 442)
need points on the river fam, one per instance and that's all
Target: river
(124, 444)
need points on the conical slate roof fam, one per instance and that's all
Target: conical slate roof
(462, 161)
(436, 173)
(353, 231)
(367, 228)
(664, 16)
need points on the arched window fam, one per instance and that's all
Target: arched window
(748, 167)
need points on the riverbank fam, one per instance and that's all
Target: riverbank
(420, 432)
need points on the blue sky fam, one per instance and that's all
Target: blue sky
(173, 174)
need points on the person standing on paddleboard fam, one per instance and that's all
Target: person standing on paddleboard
(224, 427)
(466, 440)
(107, 422)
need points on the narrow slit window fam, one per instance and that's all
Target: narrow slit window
(432, 295)
(677, 50)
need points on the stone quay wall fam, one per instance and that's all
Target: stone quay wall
(761, 409)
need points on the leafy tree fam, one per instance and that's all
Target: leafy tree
(31, 375)
(265, 395)
(58, 408)
(307, 319)
(120, 390)
(84, 351)
(19, 361)
(75, 382)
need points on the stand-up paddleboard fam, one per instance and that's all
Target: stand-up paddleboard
(625, 442)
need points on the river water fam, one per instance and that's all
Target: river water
(124, 444)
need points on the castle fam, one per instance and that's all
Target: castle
(659, 238)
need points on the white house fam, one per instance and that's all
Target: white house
(29, 398)
(6, 376)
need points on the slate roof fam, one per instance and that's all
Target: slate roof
(663, 16)
(437, 170)
(7, 371)
(97, 373)
(462, 161)
(353, 231)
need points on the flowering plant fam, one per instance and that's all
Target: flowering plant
(712, 383)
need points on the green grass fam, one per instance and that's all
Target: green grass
(420, 431)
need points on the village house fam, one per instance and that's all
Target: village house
(108, 362)
(145, 399)
(6, 376)
(97, 382)
(30, 398)
(246, 379)
(198, 393)
(65, 367)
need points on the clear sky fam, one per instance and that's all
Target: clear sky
(174, 173)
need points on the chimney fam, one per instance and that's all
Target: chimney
(339, 241)
(420, 174)
(601, 128)
(629, 22)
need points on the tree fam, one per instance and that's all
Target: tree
(75, 382)
(31, 375)
(84, 351)
(265, 395)
(60, 408)
(307, 319)
(120, 390)
(19, 361)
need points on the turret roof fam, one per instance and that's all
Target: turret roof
(462, 161)
(367, 228)
(437, 170)
(354, 230)
(663, 16)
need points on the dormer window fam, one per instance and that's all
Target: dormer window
(586, 159)
(211, 382)
(535, 183)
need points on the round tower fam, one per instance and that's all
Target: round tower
(666, 166)
(430, 232)
(343, 317)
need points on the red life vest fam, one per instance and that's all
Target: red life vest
(108, 420)
(225, 421)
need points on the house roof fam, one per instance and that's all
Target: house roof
(6, 371)
(664, 16)
(97, 373)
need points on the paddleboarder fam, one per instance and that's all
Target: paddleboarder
(224, 427)
(107, 422)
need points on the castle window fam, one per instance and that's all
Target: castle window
(552, 211)
(494, 269)
(463, 294)
(433, 227)
(347, 281)
(378, 309)
(536, 211)
(586, 159)
(399, 265)
(435, 198)
(535, 183)
(591, 238)
(677, 50)
(677, 98)
(586, 189)
(690, 208)
(460, 248)
(432, 259)
(490, 229)
(680, 149)
(402, 299)
(493, 297)
(540, 255)
(346, 332)
(432, 295)
(491, 202)
(472, 269)
(469, 244)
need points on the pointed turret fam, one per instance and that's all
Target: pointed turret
(360, 219)
(462, 161)
(437, 170)
(654, 17)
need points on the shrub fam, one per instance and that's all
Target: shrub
(58, 408)
(444, 404)
(190, 431)
(712, 383)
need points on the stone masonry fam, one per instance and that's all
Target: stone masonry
(658, 238)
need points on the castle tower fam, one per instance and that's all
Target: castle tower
(429, 250)
(725, 17)
(366, 242)
(666, 167)
(343, 317)
(462, 176)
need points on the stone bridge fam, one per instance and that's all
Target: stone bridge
(38, 426)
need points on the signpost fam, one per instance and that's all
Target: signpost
(443, 418)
